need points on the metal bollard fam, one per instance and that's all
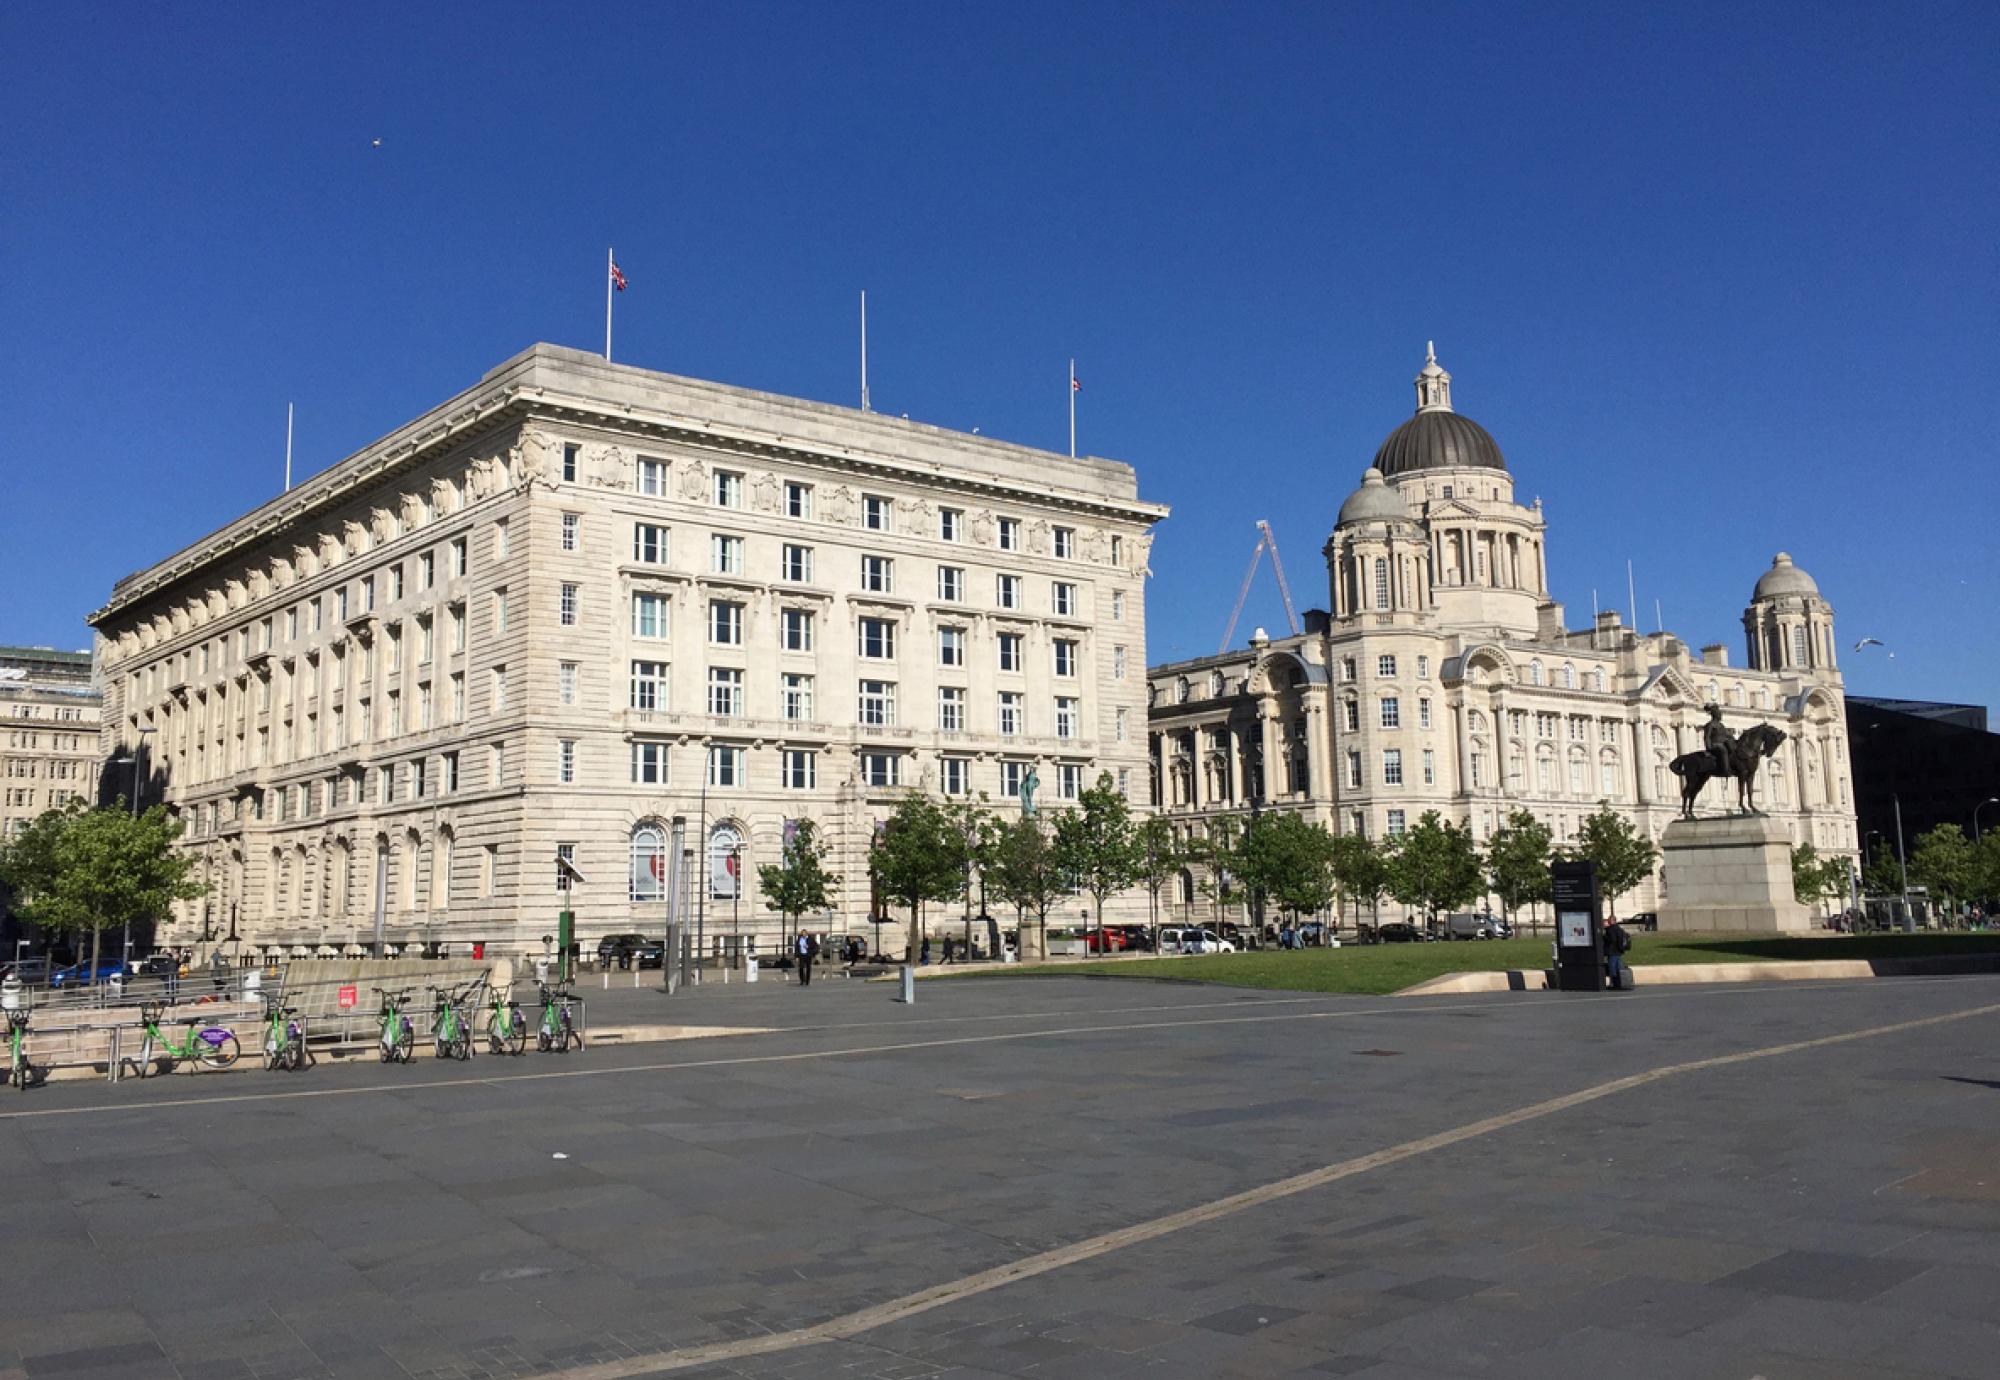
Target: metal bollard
(909, 996)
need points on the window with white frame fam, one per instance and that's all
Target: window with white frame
(1008, 648)
(1392, 711)
(1121, 719)
(1392, 766)
(496, 763)
(1065, 655)
(652, 477)
(565, 865)
(458, 557)
(1007, 591)
(1385, 666)
(649, 543)
(1118, 663)
(725, 692)
(448, 778)
(1062, 599)
(881, 768)
(649, 685)
(875, 512)
(649, 764)
(951, 646)
(797, 565)
(1008, 531)
(426, 575)
(951, 524)
(648, 871)
(566, 682)
(725, 554)
(798, 500)
(1350, 715)
(458, 697)
(1398, 823)
(498, 684)
(1430, 767)
(1576, 776)
(1423, 668)
(877, 704)
(395, 593)
(1065, 543)
(951, 583)
(951, 709)
(955, 775)
(566, 606)
(1424, 712)
(795, 630)
(502, 538)
(799, 769)
(1067, 716)
(728, 489)
(649, 616)
(1354, 770)
(725, 765)
(725, 623)
(1010, 713)
(795, 692)
(1118, 606)
(571, 453)
(1069, 780)
(877, 639)
(1607, 778)
(566, 761)
(878, 574)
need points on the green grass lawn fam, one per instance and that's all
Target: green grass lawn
(1379, 968)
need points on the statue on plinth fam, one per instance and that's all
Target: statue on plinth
(1726, 755)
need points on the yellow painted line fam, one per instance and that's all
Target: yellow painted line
(937, 1296)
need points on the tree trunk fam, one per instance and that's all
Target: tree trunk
(96, 949)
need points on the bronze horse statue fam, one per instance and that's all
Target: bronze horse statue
(1695, 769)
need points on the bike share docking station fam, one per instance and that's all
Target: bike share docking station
(1579, 908)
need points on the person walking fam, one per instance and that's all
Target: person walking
(1616, 944)
(802, 949)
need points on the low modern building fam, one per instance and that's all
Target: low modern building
(1919, 764)
(468, 676)
(1445, 677)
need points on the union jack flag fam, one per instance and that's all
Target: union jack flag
(617, 276)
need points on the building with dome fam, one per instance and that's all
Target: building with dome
(1443, 676)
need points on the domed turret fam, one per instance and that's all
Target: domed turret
(1437, 438)
(1788, 625)
(1374, 501)
(1784, 578)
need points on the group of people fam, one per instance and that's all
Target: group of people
(807, 949)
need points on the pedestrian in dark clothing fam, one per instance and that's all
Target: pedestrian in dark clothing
(803, 949)
(924, 951)
(1616, 944)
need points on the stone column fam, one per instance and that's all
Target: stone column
(1642, 763)
(1267, 723)
(1319, 748)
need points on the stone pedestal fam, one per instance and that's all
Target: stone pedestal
(1729, 876)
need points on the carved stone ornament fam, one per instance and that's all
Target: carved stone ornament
(981, 527)
(1093, 545)
(1038, 537)
(764, 492)
(1142, 547)
(444, 496)
(537, 459)
(694, 483)
(612, 468)
(838, 506)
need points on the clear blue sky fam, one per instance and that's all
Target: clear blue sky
(1720, 279)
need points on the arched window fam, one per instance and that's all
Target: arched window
(1659, 777)
(725, 861)
(1545, 771)
(1799, 657)
(1381, 583)
(1214, 684)
(1579, 775)
(1779, 794)
(1568, 677)
(1607, 775)
(1517, 767)
(1534, 673)
(441, 871)
(1183, 690)
(406, 877)
(649, 863)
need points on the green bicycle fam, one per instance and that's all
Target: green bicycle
(284, 1037)
(506, 1027)
(20, 1072)
(210, 1046)
(398, 1039)
(557, 1033)
(448, 1026)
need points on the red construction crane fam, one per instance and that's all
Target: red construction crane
(1264, 539)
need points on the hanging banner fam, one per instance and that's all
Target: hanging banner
(722, 867)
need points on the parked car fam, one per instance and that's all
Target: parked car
(32, 970)
(1109, 940)
(84, 975)
(1200, 941)
(1644, 920)
(1398, 932)
(616, 947)
(1137, 937)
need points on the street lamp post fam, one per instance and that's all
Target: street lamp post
(138, 754)
(1990, 800)
(1902, 862)
(736, 902)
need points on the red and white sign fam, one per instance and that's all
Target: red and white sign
(349, 997)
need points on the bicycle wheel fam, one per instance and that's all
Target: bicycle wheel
(216, 1048)
(517, 1035)
(406, 1045)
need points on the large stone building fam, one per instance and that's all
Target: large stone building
(49, 707)
(578, 600)
(1445, 678)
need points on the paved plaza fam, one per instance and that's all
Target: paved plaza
(1514, 1185)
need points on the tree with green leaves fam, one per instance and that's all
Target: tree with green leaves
(1094, 845)
(1360, 872)
(1158, 858)
(1624, 856)
(919, 856)
(798, 881)
(1816, 879)
(1434, 866)
(1026, 873)
(1220, 853)
(81, 870)
(1289, 858)
(1942, 863)
(1517, 862)
(1882, 874)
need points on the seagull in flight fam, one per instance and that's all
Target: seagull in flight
(1868, 642)
(375, 144)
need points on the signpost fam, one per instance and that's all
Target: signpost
(1579, 928)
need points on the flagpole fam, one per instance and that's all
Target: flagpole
(288, 447)
(610, 262)
(1072, 409)
(864, 350)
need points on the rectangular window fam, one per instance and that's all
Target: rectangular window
(951, 583)
(1121, 719)
(798, 500)
(649, 764)
(878, 574)
(652, 477)
(449, 776)
(419, 778)
(566, 682)
(801, 769)
(725, 555)
(725, 623)
(1607, 779)
(423, 646)
(1423, 668)
(797, 565)
(951, 646)
(368, 594)
(1385, 666)
(456, 615)
(1010, 534)
(499, 610)
(572, 531)
(395, 584)
(725, 766)
(1423, 713)
(796, 627)
(1066, 717)
(1354, 770)
(426, 570)
(951, 709)
(649, 616)
(881, 768)
(725, 692)
(566, 761)
(566, 609)
(1392, 766)
(458, 557)
(874, 513)
(496, 764)
(1009, 647)
(1392, 712)
(877, 707)
(571, 452)
(1117, 603)
(565, 865)
(951, 524)
(491, 872)
(1010, 713)
(1117, 553)
(1397, 823)
(1430, 767)
(649, 685)
(500, 541)
(457, 697)
(797, 695)
(728, 489)
(1065, 543)
(1065, 656)
(878, 639)
(1062, 598)
(649, 543)
(1011, 774)
(1007, 591)
(1118, 663)
(1069, 781)
(955, 775)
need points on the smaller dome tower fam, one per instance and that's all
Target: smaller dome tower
(1378, 558)
(1788, 625)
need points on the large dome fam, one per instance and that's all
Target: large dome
(1438, 441)
(1374, 501)
(1783, 578)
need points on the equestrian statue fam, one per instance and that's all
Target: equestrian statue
(1725, 754)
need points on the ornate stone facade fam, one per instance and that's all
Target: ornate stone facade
(1445, 678)
(48, 733)
(579, 600)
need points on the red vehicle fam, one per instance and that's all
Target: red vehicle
(1108, 940)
